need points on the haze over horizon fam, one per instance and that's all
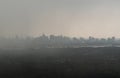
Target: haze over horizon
(98, 18)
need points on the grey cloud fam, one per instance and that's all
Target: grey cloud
(32, 17)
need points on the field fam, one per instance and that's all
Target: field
(61, 63)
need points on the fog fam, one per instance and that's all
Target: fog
(99, 18)
(59, 38)
(56, 41)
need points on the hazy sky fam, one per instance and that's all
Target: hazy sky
(99, 18)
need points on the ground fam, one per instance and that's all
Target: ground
(61, 63)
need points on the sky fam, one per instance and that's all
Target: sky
(74, 18)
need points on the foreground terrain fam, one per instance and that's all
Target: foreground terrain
(60, 63)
